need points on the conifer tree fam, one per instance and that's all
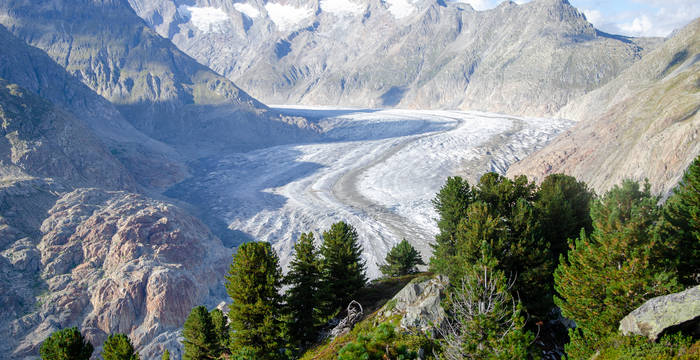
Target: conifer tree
(66, 344)
(199, 338)
(253, 283)
(343, 270)
(221, 331)
(166, 355)
(401, 260)
(118, 347)
(485, 321)
(451, 204)
(612, 271)
(680, 229)
(563, 209)
(303, 302)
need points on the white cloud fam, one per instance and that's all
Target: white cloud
(594, 17)
(287, 17)
(247, 9)
(479, 5)
(639, 26)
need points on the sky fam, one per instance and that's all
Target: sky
(627, 17)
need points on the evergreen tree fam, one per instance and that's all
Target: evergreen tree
(681, 227)
(402, 259)
(66, 344)
(451, 205)
(563, 209)
(611, 272)
(221, 331)
(198, 331)
(118, 347)
(304, 281)
(485, 320)
(253, 283)
(342, 268)
(502, 215)
(166, 355)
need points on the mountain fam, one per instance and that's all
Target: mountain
(40, 140)
(150, 162)
(526, 59)
(161, 91)
(643, 124)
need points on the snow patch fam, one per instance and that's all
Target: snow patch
(247, 9)
(400, 8)
(341, 7)
(206, 19)
(287, 17)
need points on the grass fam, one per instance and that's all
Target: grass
(372, 297)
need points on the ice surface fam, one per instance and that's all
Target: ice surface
(206, 19)
(377, 170)
(247, 9)
(287, 17)
(342, 7)
(400, 8)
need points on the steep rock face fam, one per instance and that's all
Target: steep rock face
(40, 140)
(114, 262)
(152, 163)
(643, 124)
(160, 90)
(679, 311)
(525, 59)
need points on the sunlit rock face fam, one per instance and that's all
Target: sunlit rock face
(115, 262)
(528, 59)
(644, 124)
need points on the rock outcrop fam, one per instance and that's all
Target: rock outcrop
(160, 90)
(40, 140)
(662, 314)
(111, 262)
(643, 124)
(418, 304)
(528, 59)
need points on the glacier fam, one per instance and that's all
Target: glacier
(375, 169)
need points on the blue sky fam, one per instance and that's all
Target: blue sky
(627, 17)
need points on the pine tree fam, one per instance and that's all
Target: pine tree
(563, 209)
(253, 283)
(343, 271)
(166, 355)
(304, 281)
(485, 320)
(221, 331)
(401, 260)
(199, 338)
(451, 205)
(681, 227)
(612, 271)
(66, 344)
(118, 347)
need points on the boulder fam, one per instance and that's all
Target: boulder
(663, 314)
(418, 304)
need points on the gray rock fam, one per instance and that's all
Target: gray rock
(645, 124)
(521, 59)
(418, 304)
(663, 313)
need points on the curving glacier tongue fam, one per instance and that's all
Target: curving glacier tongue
(377, 170)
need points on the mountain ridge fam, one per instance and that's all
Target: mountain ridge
(411, 54)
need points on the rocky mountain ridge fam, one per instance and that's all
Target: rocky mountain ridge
(528, 59)
(642, 125)
(161, 91)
